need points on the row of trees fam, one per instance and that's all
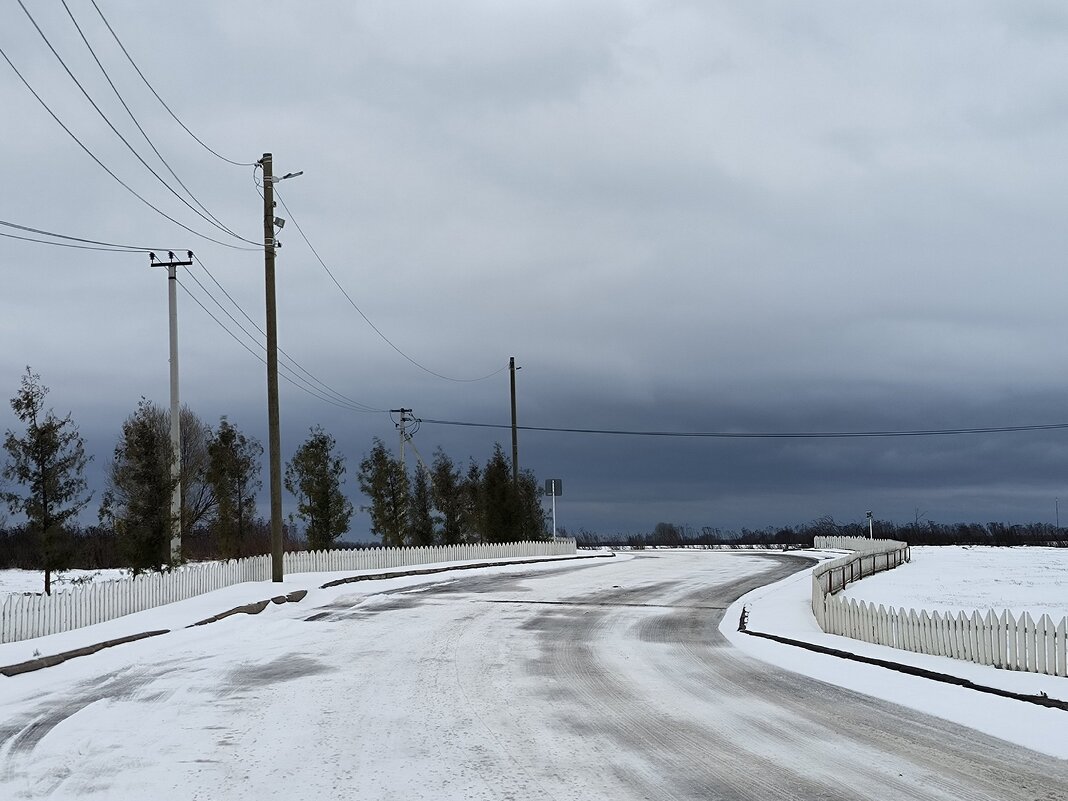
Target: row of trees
(219, 478)
(440, 504)
(45, 482)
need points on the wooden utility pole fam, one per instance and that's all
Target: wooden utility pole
(515, 431)
(274, 444)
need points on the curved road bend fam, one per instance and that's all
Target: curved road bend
(603, 680)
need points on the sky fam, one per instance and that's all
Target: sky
(676, 216)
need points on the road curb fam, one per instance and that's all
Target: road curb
(431, 570)
(58, 659)
(254, 608)
(912, 670)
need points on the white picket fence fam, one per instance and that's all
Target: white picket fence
(1003, 641)
(28, 615)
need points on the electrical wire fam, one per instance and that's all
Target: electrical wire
(761, 435)
(108, 170)
(116, 131)
(295, 365)
(302, 387)
(366, 319)
(144, 134)
(68, 244)
(108, 245)
(174, 116)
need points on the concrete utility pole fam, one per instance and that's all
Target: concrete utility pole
(515, 431)
(172, 264)
(406, 439)
(401, 424)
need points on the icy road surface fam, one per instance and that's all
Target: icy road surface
(605, 679)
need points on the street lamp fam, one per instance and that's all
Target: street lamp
(870, 536)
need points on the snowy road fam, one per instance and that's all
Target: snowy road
(580, 681)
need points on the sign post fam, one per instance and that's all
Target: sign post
(554, 487)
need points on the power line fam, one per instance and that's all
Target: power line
(219, 224)
(116, 131)
(295, 365)
(160, 99)
(761, 435)
(68, 244)
(105, 245)
(366, 319)
(302, 387)
(105, 168)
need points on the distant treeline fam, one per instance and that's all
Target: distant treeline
(916, 533)
(98, 547)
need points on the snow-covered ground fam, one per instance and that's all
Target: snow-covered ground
(785, 609)
(955, 579)
(454, 687)
(33, 580)
(567, 680)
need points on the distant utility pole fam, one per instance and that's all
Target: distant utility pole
(406, 439)
(172, 264)
(401, 424)
(515, 430)
(274, 437)
(870, 529)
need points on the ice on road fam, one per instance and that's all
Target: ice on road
(602, 679)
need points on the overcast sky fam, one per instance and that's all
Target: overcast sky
(677, 216)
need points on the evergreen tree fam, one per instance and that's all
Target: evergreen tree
(420, 510)
(473, 510)
(233, 475)
(49, 461)
(384, 480)
(500, 500)
(534, 522)
(137, 502)
(315, 476)
(447, 491)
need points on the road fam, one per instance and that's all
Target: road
(605, 679)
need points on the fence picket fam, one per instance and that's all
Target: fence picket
(1012, 642)
(1045, 658)
(991, 639)
(1027, 631)
(1061, 647)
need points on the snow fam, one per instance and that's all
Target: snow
(33, 580)
(956, 579)
(412, 711)
(784, 609)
